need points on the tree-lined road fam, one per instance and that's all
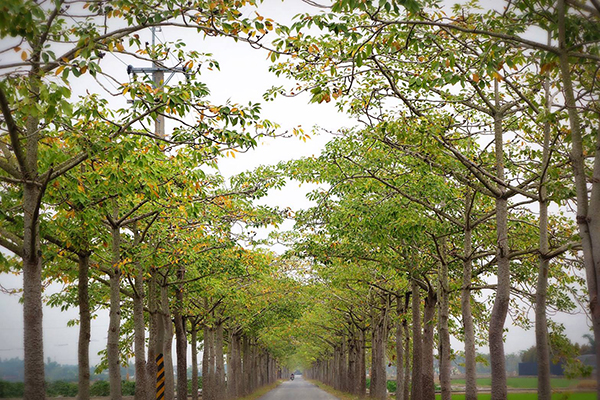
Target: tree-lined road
(298, 389)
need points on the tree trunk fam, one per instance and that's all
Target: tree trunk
(194, 346)
(352, 356)
(167, 343)
(588, 214)
(33, 338)
(465, 304)
(401, 310)
(234, 372)
(219, 363)
(85, 329)
(428, 329)
(362, 365)
(114, 326)
(206, 367)
(541, 294)
(417, 371)
(246, 370)
(379, 343)
(500, 308)
(407, 382)
(443, 331)
(156, 334)
(180, 339)
(141, 377)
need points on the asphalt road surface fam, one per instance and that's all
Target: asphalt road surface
(298, 389)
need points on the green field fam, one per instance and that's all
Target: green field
(524, 383)
(532, 396)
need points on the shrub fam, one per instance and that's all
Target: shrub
(11, 389)
(61, 388)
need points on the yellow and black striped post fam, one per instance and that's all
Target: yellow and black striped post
(160, 377)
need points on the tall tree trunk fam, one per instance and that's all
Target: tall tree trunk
(500, 308)
(541, 324)
(234, 372)
(219, 362)
(85, 329)
(206, 367)
(465, 304)
(401, 310)
(156, 334)
(246, 369)
(352, 356)
(114, 326)
(417, 370)
(407, 371)
(443, 331)
(180, 338)
(378, 345)
(33, 338)
(194, 346)
(362, 364)
(588, 214)
(167, 343)
(141, 377)
(428, 329)
(343, 365)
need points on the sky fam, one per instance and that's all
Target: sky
(243, 77)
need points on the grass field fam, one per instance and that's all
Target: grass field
(532, 396)
(524, 383)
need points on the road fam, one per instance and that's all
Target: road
(298, 389)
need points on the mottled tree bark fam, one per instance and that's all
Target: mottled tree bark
(428, 329)
(114, 326)
(379, 342)
(194, 347)
(400, 310)
(219, 363)
(465, 304)
(167, 343)
(443, 331)
(417, 358)
(180, 337)
(85, 328)
(33, 338)
(141, 377)
(541, 294)
(500, 308)
(588, 210)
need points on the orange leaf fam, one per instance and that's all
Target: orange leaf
(24, 56)
(475, 78)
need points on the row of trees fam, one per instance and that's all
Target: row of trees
(475, 123)
(129, 218)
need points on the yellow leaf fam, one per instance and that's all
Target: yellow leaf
(24, 56)
(497, 76)
(475, 78)
(59, 70)
(120, 47)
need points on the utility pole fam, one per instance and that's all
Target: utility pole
(158, 79)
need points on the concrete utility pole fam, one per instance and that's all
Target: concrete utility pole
(158, 79)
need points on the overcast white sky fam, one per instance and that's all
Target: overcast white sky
(243, 77)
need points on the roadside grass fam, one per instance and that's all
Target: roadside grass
(486, 396)
(524, 382)
(531, 396)
(332, 391)
(262, 391)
